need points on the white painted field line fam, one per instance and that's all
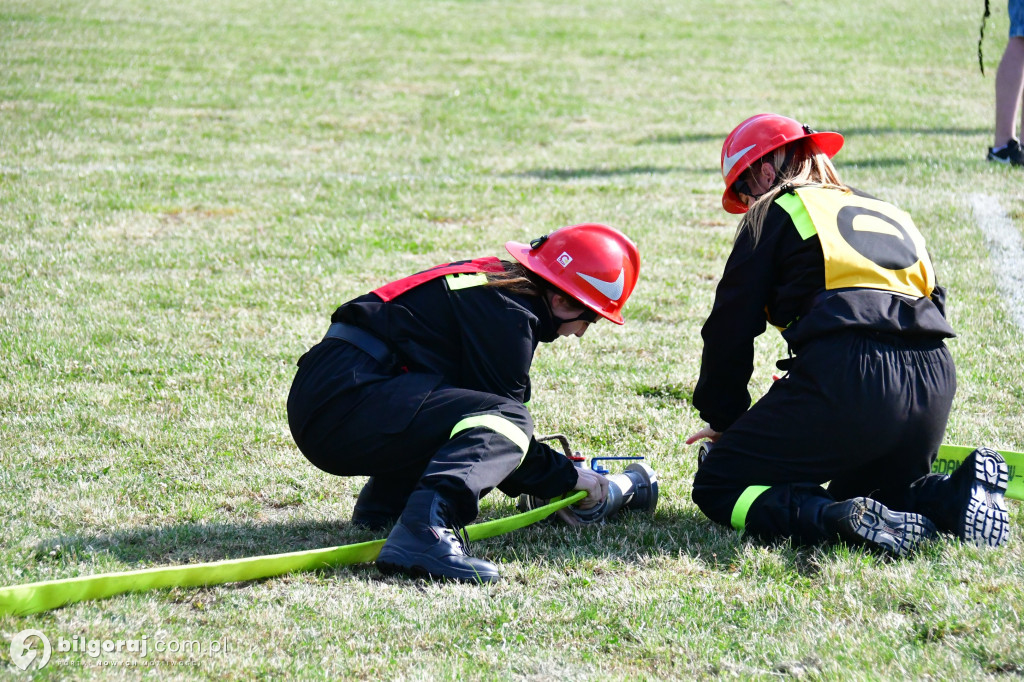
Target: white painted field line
(1006, 248)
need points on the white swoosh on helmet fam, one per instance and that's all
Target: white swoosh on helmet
(613, 290)
(730, 161)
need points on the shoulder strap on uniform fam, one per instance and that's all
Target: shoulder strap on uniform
(399, 287)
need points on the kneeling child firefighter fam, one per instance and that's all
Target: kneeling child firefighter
(422, 385)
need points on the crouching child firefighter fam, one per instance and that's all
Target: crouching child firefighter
(869, 385)
(422, 385)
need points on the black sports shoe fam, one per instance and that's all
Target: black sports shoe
(864, 521)
(983, 477)
(1011, 154)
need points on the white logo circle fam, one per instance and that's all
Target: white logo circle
(22, 652)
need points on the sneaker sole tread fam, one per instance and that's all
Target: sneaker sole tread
(897, 533)
(986, 518)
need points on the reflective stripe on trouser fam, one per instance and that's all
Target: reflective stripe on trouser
(482, 451)
(869, 426)
(498, 424)
(762, 510)
(739, 511)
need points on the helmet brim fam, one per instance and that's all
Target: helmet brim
(828, 142)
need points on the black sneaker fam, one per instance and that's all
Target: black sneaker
(864, 521)
(985, 521)
(1011, 154)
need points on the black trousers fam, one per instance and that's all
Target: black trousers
(861, 412)
(351, 416)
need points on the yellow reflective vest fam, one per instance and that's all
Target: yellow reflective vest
(866, 242)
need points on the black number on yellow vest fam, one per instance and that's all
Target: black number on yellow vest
(877, 237)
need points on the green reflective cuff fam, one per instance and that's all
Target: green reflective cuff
(498, 425)
(798, 213)
(739, 512)
(465, 280)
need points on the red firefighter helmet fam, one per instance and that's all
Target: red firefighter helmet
(595, 264)
(757, 136)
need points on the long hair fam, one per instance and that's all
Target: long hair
(797, 164)
(517, 279)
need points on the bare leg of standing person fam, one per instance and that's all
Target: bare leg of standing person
(1009, 86)
(1009, 89)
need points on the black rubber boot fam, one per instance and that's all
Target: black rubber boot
(424, 544)
(868, 522)
(377, 509)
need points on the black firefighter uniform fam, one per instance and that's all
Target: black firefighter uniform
(446, 410)
(869, 384)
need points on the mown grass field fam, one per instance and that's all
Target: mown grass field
(188, 190)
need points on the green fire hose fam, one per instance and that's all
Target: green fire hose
(51, 594)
